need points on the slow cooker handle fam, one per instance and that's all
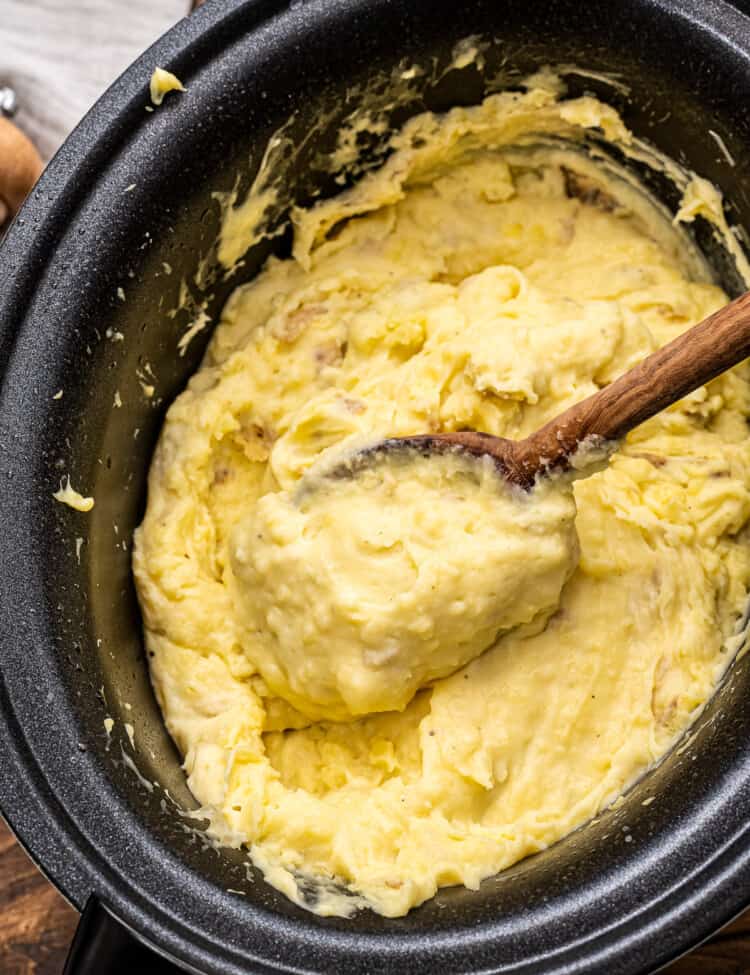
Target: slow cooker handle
(102, 945)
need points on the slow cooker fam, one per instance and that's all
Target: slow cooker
(132, 191)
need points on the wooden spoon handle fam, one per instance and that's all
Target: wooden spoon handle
(699, 355)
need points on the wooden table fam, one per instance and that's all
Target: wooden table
(36, 926)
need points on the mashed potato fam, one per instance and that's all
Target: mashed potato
(492, 278)
(356, 592)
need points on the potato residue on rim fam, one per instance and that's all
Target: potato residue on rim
(481, 286)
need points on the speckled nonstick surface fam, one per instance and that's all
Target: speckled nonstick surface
(624, 895)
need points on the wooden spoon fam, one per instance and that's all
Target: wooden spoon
(699, 355)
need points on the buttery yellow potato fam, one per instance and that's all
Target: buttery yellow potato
(492, 277)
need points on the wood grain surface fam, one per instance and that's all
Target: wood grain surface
(36, 925)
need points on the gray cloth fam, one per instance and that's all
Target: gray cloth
(60, 55)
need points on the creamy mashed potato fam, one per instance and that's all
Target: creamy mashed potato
(492, 278)
(353, 593)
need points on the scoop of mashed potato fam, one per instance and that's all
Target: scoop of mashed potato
(354, 592)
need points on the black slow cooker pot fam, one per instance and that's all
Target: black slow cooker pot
(131, 190)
